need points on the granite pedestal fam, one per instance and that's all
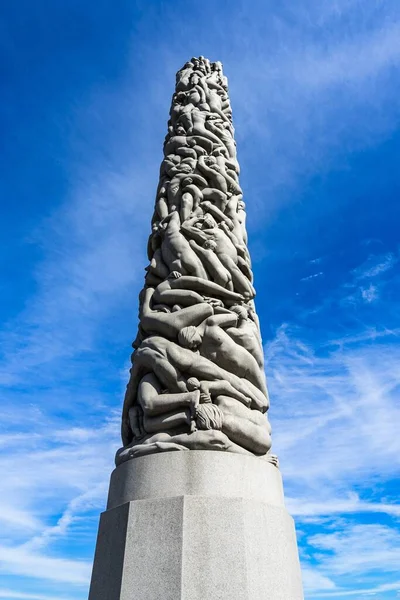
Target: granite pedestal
(196, 525)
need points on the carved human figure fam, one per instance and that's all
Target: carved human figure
(174, 185)
(197, 379)
(212, 174)
(173, 365)
(161, 411)
(183, 76)
(197, 93)
(176, 251)
(214, 343)
(215, 101)
(219, 216)
(206, 229)
(165, 442)
(246, 334)
(186, 291)
(218, 165)
(177, 184)
(157, 266)
(195, 124)
(241, 215)
(214, 267)
(247, 428)
(198, 187)
(209, 390)
(228, 165)
(222, 130)
(234, 210)
(243, 256)
(170, 324)
(183, 145)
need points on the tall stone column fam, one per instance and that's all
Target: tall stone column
(195, 508)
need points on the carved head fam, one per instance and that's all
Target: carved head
(194, 79)
(241, 311)
(180, 97)
(209, 222)
(193, 384)
(199, 223)
(189, 337)
(209, 416)
(180, 130)
(210, 245)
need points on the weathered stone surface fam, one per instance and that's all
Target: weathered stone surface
(179, 537)
(139, 552)
(198, 514)
(197, 379)
(199, 473)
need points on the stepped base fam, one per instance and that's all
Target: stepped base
(196, 525)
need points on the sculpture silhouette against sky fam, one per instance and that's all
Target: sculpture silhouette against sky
(197, 380)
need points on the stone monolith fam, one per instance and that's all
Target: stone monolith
(195, 508)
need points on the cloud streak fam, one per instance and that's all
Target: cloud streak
(335, 409)
(19, 561)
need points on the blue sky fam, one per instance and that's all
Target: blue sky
(86, 88)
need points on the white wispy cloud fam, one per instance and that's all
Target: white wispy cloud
(352, 504)
(314, 580)
(357, 549)
(371, 591)
(69, 477)
(324, 91)
(13, 517)
(313, 276)
(370, 334)
(375, 266)
(350, 61)
(88, 263)
(369, 294)
(19, 561)
(334, 412)
(57, 454)
(8, 594)
(345, 402)
(92, 498)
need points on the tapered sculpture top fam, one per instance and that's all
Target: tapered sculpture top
(197, 380)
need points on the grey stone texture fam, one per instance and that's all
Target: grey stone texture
(200, 526)
(195, 508)
(200, 473)
(197, 379)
